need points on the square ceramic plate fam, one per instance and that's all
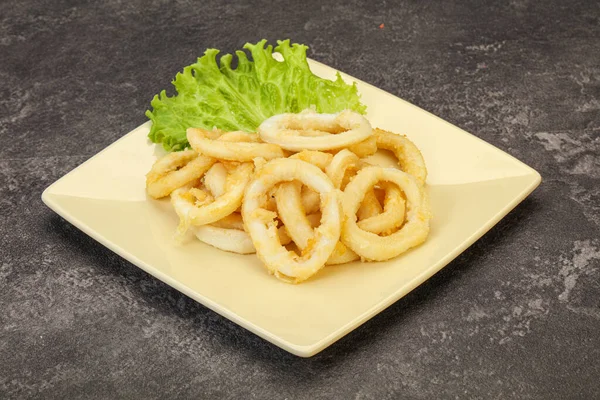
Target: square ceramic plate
(472, 185)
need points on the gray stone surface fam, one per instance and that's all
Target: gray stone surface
(516, 316)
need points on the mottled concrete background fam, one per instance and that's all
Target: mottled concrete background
(516, 316)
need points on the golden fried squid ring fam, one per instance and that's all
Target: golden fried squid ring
(409, 157)
(299, 226)
(175, 170)
(370, 246)
(232, 221)
(261, 224)
(365, 148)
(296, 132)
(233, 151)
(318, 158)
(215, 179)
(311, 201)
(291, 212)
(392, 216)
(238, 136)
(370, 206)
(341, 254)
(189, 211)
(340, 164)
(231, 238)
(370, 209)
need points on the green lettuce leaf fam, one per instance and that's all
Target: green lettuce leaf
(213, 94)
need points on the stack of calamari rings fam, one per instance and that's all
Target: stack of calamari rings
(300, 192)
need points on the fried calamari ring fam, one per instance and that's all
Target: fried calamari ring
(318, 158)
(239, 136)
(370, 206)
(366, 148)
(215, 179)
(311, 201)
(344, 162)
(300, 227)
(409, 157)
(175, 170)
(261, 224)
(232, 221)
(233, 151)
(235, 221)
(191, 213)
(291, 212)
(296, 132)
(201, 196)
(232, 240)
(342, 254)
(370, 246)
(392, 216)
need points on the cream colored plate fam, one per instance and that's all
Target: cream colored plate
(472, 186)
